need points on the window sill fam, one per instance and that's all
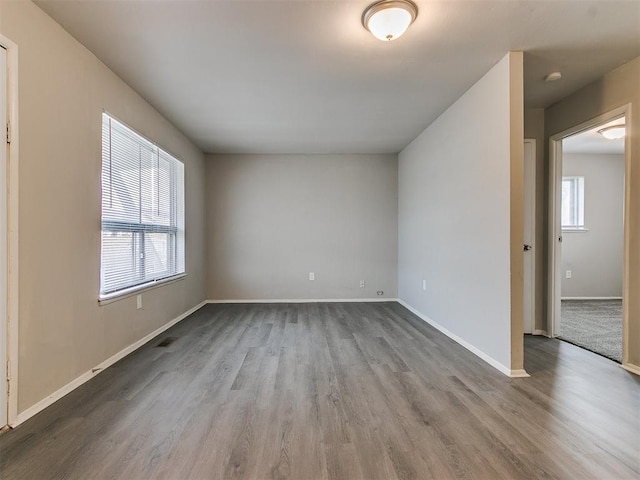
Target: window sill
(138, 289)
(575, 230)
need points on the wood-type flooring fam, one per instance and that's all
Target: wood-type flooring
(333, 391)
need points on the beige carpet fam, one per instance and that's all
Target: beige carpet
(593, 324)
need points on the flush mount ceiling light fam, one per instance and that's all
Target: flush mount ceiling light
(389, 19)
(614, 132)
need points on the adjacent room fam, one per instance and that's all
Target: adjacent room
(319, 239)
(592, 239)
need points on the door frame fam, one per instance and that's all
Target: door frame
(12, 244)
(555, 230)
(532, 252)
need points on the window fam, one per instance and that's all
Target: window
(573, 203)
(142, 212)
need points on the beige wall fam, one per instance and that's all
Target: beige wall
(272, 219)
(595, 256)
(534, 129)
(63, 90)
(456, 227)
(617, 88)
(516, 208)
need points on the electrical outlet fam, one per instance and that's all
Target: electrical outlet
(139, 301)
(424, 285)
(569, 274)
(312, 276)
(362, 284)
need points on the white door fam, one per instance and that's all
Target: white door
(3, 237)
(529, 234)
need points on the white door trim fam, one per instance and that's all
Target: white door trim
(530, 326)
(555, 232)
(4, 148)
(12, 228)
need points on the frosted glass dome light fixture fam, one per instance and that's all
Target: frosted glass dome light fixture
(613, 132)
(389, 19)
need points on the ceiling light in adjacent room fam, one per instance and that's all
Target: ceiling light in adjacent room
(614, 132)
(389, 19)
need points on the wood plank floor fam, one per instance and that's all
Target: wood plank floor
(339, 391)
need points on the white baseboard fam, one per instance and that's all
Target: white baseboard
(591, 298)
(88, 375)
(630, 367)
(490, 360)
(306, 300)
(540, 332)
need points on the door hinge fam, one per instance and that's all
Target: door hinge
(8, 378)
(8, 132)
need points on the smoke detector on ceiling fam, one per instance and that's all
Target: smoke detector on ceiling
(553, 76)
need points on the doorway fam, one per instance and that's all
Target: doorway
(588, 235)
(529, 187)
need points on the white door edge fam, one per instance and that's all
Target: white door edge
(4, 324)
(12, 244)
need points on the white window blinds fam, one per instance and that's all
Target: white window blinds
(142, 211)
(572, 216)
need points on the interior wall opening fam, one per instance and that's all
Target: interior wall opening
(591, 247)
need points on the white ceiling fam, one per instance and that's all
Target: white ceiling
(591, 142)
(305, 77)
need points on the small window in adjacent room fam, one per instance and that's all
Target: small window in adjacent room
(573, 203)
(142, 212)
